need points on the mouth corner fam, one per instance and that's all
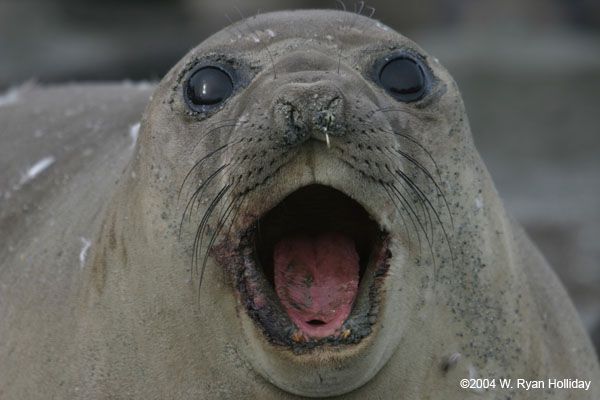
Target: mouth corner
(312, 268)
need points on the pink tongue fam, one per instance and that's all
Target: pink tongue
(316, 280)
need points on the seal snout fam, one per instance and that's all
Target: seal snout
(303, 110)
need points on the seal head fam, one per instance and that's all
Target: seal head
(302, 155)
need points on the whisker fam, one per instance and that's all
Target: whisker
(407, 206)
(257, 39)
(236, 213)
(422, 204)
(234, 27)
(425, 202)
(199, 162)
(428, 175)
(407, 136)
(344, 27)
(420, 197)
(360, 9)
(416, 142)
(223, 121)
(202, 226)
(213, 130)
(368, 20)
(197, 194)
(410, 111)
(430, 245)
(373, 9)
(204, 185)
(220, 224)
(418, 190)
(385, 187)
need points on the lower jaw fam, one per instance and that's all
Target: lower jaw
(265, 309)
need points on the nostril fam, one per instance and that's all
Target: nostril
(288, 118)
(324, 119)
(328, 119)
(295, 120)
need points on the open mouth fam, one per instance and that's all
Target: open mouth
(312, 268)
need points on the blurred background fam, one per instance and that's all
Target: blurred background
(529, 72)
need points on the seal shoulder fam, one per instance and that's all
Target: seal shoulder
(53, 134)
(63, 150)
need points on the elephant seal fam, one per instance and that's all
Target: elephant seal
(304, 215)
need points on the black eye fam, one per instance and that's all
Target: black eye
(404, 79)
(207, 87)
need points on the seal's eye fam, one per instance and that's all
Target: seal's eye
(403, 78)
(207, 87)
